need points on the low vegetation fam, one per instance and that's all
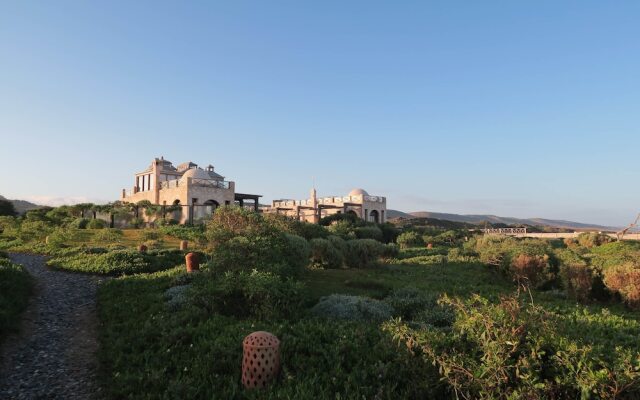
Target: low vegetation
(362, 310)
(15, 287)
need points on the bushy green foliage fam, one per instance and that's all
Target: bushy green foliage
(391, 250)
(593, 239)
(512, 350)
(15, 288)
(423, 260)
(389, 232)
(254, 294)
(409, 239)
(243, 240)
(352, 308)
(325, 255)
(369, 232)
(339, 243)
(96, 224)
(408, 302)
(7, 208)
(191, 353)
(526, 261)
(194, 233)
(79, 223)
(457, 254)
(117, 262)
(363, 253)
(343, 229)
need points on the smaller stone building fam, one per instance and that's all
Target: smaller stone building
(197, 191)
(357, 202)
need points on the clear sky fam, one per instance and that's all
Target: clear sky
(524, 109)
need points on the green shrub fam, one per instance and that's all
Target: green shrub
(15, 288)
(339, 243)
(369, 232)
(423, 260)
(457, 254)
(117, 262)
(625, 281)
(254, 294)
(325, 255)
(194, 233)
(96, 224)
(593, 239)
(409, 302)
(352, 308)
(363, 253)
(242, 241)
(409, 239)
(296, 253)
(79, 223)
(108, 235)
(513, 350)
(391, 250)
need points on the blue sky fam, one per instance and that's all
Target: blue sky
(525, 109)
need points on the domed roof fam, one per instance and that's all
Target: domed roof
(196, 173)
(358, 192)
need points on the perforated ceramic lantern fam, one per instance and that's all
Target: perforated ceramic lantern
(184, 245)
(142, 248)
(261, 359)
(193, 262)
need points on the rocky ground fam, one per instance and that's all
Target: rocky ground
(54, 355)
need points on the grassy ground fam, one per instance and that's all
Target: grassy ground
(15, 288)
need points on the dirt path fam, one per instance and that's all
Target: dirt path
(54, 356)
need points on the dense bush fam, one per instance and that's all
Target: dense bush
(79, 223)
(390, 250)
(528, 261)
(243, 240)
(625, 280)
(325, 255)
(512, 350)
(117, 262)
(254, 294)
(15, 288)
(369, 232)
(408, 302)
(593, 239)
(194, 234)
(423, 260)
(339, 243)
(96, 224)
(409, 239)
(363, 253)
(352, 308)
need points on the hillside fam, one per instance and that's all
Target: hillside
(479, 219)
(21, 206)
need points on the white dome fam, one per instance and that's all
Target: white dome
(358, 192)
(196, 173)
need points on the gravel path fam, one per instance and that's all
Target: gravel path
(54, 356)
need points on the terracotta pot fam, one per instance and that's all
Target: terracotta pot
(261, 360)
(142, 248)
(184, 245)
(429, 245)
(193, 262)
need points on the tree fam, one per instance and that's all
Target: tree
(7, 208)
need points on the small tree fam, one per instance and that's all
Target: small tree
(7, 208)
(409, 239)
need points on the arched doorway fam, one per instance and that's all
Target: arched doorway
(176, 211)
(210, 206)
(374, 216)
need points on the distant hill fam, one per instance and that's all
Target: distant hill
(21, 206)
(479, 219)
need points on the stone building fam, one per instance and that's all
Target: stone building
(357, 202)
(197, 191)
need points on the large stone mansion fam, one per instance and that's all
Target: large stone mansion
(200, 191)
